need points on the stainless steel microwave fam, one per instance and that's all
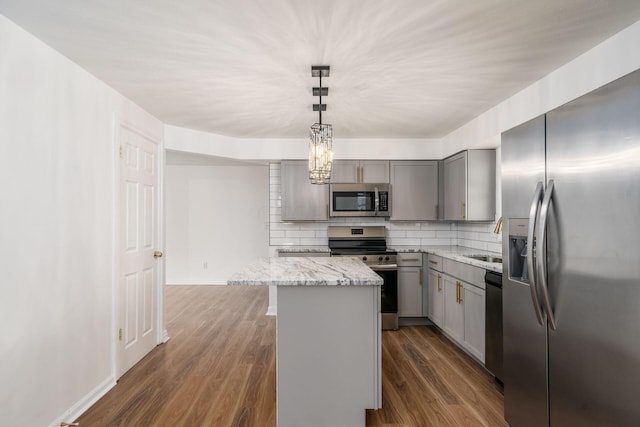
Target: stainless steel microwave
(360, 200)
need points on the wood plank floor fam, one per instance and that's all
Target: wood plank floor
(218, 369)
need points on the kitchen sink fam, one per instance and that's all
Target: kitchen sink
(486, 258)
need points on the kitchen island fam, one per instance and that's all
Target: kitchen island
(327, 338)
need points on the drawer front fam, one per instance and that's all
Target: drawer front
(435, 262)
(465, 272)
(410, 259)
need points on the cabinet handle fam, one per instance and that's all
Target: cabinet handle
(411, 259)
(327, 211)
(432, 261)
(458, 292)
(361, 174)
(437, 212)
(462, 210)
(420, 277)
(439, 286)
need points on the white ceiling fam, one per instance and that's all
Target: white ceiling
(399, 69)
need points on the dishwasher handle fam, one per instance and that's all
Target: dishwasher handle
(493, 278)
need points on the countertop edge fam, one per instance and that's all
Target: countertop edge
(306, 271)
(455, 253)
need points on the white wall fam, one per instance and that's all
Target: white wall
(56, 230)
(217, 221)
(608, 61)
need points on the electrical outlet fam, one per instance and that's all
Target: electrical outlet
(205, 265)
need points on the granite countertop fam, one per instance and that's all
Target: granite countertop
(456, 253)
(307, 271)
(303, 249)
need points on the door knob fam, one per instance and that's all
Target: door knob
(157, 254)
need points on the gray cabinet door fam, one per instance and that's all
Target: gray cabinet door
(374, 171)
(455, 187)
(414, 190)
(436, 298)
(473, 301)
(345, 171)
(410, 291)
(301, 200)
(470, 186)
(360, 171)
(453, 322)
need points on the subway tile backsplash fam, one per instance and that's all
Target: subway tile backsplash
(475, 235)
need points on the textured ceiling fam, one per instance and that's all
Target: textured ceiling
(399, 69)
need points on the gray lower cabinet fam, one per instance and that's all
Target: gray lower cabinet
(470, 186)
(360, 171)
(464, 306)
(410, 284)
(301, 200)
(414, 190)
(456, 302)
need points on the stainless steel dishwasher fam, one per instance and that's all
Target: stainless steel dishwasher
(493, 330)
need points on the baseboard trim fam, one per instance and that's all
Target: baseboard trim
(165, 336)
(85, 403)
(272, 310)
(414, 321)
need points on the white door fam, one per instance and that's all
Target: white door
(137, 302)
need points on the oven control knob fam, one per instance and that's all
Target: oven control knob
(386, 258)
(380, 258)
(364, 258)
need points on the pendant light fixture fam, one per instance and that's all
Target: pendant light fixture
(320, 134)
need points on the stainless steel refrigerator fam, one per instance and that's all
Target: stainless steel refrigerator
(571, 301)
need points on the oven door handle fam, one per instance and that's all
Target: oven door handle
(383, 267)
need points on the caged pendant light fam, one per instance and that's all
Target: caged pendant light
(320, 134)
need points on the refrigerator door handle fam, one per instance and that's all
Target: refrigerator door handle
(542, 252)
(530, 234)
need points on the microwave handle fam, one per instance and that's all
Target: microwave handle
(377, 201)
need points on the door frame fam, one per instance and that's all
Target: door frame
(162, 335)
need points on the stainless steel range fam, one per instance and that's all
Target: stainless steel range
(370, 244)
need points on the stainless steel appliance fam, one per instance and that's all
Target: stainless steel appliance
(571, 202)
(493, 329)
(370, 244)
(360, 200)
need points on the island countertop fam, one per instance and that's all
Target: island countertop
(307, 271)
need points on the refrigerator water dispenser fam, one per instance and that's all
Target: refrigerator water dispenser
(518, 249)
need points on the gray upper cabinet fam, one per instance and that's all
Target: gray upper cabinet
(470, 186)
(301, 200)
(414, 190)
(360, 171)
